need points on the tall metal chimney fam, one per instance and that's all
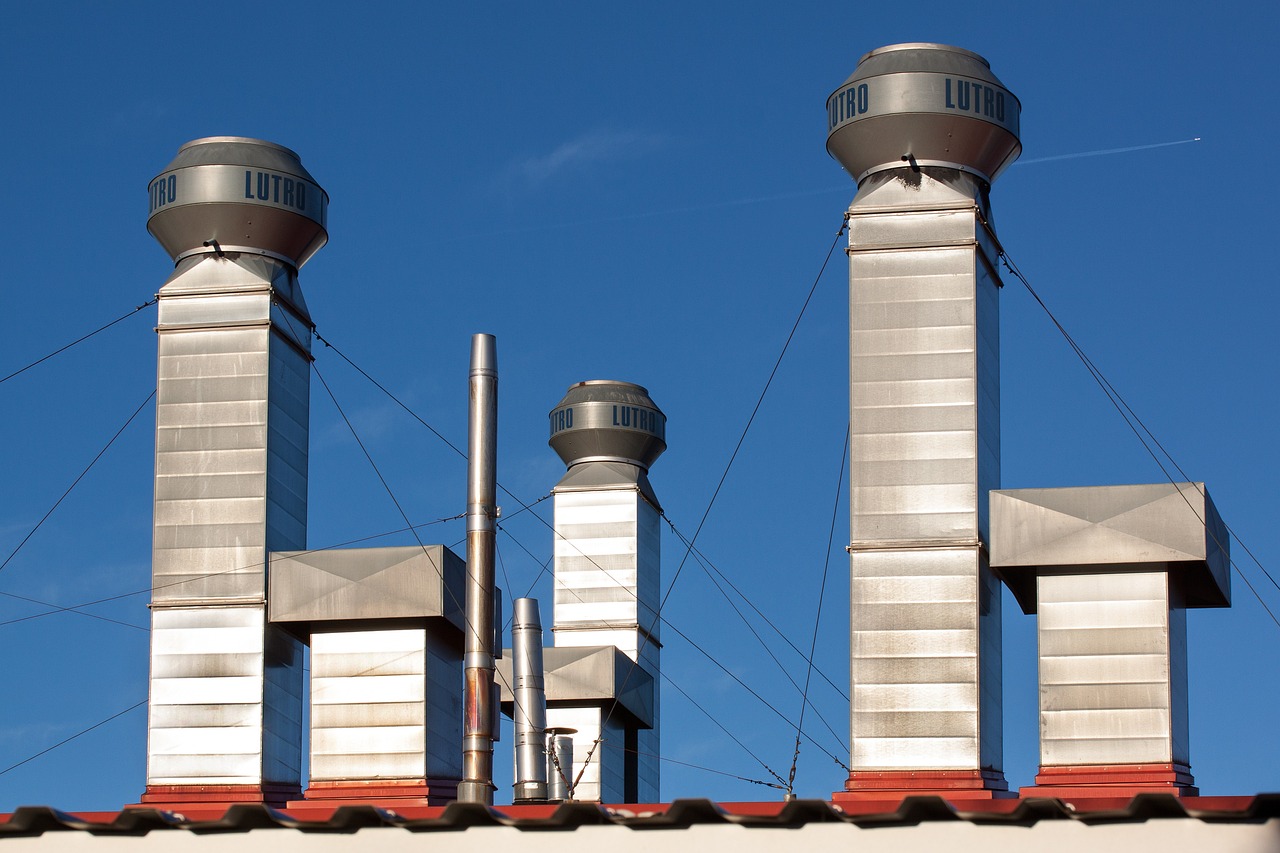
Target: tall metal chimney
(239, 217)
(607, 552)
(479, 710)
(923, 129)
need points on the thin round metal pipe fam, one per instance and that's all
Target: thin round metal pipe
(528, 686)
(482, 511)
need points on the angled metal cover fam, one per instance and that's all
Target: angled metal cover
(1035, 531)
(590, 675)
(606, 475)
(345, 584)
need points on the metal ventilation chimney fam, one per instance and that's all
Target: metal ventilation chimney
(530, 700)
(602, 673)
(923, 129)
(238, 216)
(479, 712)
(1110, 572)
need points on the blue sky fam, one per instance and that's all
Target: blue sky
(641, 193)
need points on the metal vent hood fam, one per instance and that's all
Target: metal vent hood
(231, 193)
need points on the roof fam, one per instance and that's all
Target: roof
(1241, 823)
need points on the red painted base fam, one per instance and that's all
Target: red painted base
(212, 797)
(381, 793)
(1080, 781)
(884, 785)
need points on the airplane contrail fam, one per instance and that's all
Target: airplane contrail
(1102, 151)
(742, 202)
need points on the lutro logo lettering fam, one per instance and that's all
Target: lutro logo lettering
(278, 189)
(850, 103)
(561, 419)
(163, 190)
(970, 97)
(635, 417)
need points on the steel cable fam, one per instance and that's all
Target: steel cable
(80, 339)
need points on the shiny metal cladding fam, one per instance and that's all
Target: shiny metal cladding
(231, 466)
(607, 573)
(479, 706)
(559, 755)
(530, 701)
(385, 629)
(1110, 571)
(925, 414)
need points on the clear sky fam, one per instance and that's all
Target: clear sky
(636, 192)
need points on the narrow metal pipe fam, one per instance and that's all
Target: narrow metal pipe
(530, 701)
(560, 763)
(482, 512)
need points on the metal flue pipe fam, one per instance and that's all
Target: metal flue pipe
(528, 688)
(560, 763)
(482, 512)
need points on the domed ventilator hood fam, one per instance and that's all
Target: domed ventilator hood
(927, 105)
(235, 194)
(602, 420)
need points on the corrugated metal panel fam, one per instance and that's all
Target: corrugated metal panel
(1082, 826)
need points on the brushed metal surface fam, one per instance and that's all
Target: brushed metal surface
(594, 675)
(607, 564)
(225, 698)
(529, 697)
(608, 570)
(1112, 669)
(342, 584)
(479, 706)
(938, 104)
(925, 450)
(604, 420)
(229, 191)
(607, 575)
(385, 704)
(1132, 527)
(231, 429)
(924, 693)
(559, 765)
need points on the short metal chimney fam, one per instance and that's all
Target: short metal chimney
(1110, 572)
(239, 217)
(530, 701)
(923, 129)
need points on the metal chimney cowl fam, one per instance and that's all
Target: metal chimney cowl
(923, 104)
(231, 194)
(603, 420)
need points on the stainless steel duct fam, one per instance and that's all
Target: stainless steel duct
(238, 216)
(530, 700)
(1110, 572)
(923, 128)
(385, 630)
(607, 572)
(479, 703)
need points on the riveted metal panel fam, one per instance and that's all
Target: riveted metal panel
(231, 433)
(385, 704)
(923, 697)
(224, 700)
(1112, 669)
